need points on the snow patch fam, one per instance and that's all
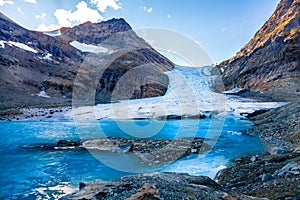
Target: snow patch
(43, 94)
(21, 46)
(48, 56)
(233, 91)
(88, 48)
(126, 62)
(53, 33)
(2, 44)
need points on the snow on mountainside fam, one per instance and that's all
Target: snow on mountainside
(17, 44)
(88, 48)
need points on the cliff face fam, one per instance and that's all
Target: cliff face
(270, 62)
(39, 69)
(129, 52)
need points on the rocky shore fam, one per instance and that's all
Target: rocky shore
(35, 113)
(151, 186)
(151, 152)
(274, 174)
(280, 126)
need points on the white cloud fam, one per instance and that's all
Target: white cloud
(9, 2)
(68, 18)
(30, 1)
(19, 9)
(83, 13)
(41, 16)
(169, 16)
(148, 10)
(102, 5)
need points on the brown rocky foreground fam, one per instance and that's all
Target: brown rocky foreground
(167, 186)
(265, 175)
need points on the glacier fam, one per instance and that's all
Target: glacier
(189, 93)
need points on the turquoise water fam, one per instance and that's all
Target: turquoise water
(31, 173)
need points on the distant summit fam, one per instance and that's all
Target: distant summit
(270, 62)
(95, 33)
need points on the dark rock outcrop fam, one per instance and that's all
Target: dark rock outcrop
(274, 174)
(167, 186)
(133, 72)
(151, 152)
(280, 126)
(270, 62)
(268, 176)
(54, 65)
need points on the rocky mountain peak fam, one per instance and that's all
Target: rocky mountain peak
(283, 23)
(119, 22)
(38, 69)
(270, 62)
(95, 33)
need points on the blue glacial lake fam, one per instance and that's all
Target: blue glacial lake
(33, 173)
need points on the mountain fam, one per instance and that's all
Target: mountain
(91, 61)
(270, 63)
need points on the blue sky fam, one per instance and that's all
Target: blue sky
(221, 27)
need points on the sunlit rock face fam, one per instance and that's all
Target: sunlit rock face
(270, 62)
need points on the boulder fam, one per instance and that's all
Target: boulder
(266, 177)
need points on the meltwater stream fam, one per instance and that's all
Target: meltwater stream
(30, 172)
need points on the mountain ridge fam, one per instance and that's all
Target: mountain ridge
(32, 62)
(270, 62)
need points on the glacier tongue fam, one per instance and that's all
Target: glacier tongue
(189, 94)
